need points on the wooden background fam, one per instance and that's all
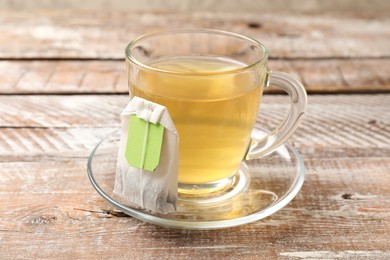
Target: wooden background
(62, 87)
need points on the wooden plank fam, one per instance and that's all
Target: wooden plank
(336, 76)
(305, 6)
(63, 77)
(51, 77)
(93, 34)
(342, 210)
(104, 110)
(43, 178)
(69, 126)
(32, 144)
(37, 144)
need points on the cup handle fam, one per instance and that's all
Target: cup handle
(280, 134)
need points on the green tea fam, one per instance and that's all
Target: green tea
(213, 105)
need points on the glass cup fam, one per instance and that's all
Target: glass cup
(212, 82)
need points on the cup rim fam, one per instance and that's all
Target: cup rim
(132, 59)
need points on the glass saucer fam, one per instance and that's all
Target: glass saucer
(270, 183)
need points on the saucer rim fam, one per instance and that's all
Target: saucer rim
(204, 225)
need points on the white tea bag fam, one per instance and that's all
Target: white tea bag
(148, 158)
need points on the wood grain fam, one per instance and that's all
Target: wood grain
(103, 35)
(61, 214)
(305, 6)
(63, 85)
(50, 211)
(69, 126)
(37, 144)
(67, 77)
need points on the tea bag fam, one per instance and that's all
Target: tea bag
(148, 158)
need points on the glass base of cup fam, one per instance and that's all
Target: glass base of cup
(216, 191)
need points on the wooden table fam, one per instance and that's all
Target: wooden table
(63, 85)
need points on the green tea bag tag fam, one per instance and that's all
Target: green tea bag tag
(144, 142)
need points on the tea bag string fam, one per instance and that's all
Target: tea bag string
(149, 110)
(145, 142)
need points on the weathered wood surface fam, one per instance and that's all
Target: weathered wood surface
(50, 77)
(49, 209)
(103, 35)
(51, 60)
(305, 6)
(342, 210)
(330, 114)
(328, 52)
(358, 125)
